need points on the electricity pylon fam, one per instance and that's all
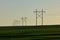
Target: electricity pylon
(24, 20)
(42, 11)
(39, 15)
(16, 23)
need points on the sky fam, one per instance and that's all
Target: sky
(11, 10)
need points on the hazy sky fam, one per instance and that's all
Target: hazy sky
(15, 9)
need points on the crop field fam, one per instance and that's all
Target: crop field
(50, 32)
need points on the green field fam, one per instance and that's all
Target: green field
(50, 32)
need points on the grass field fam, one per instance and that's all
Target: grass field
(50, 32)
